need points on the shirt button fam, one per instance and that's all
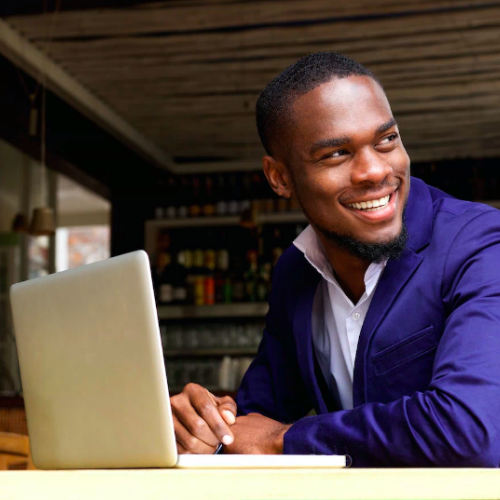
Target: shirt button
(356, 316)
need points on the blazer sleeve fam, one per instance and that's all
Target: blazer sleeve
(272, 385)
(455, 422)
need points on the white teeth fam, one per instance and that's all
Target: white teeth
(371, 204)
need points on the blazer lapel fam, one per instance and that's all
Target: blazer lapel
(393, 279)
(302, 330)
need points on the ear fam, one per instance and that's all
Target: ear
(277, 176)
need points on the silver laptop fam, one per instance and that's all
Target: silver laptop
(93, 373)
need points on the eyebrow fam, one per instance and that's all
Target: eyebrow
(386, 126)
(342, 141)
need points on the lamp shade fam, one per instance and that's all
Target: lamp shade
(43, 222)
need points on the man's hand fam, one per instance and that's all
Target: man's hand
(256, 434)
(202, 420)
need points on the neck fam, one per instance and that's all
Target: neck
(348, 269)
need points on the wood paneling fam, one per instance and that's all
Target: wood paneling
(203, 16)
(187, 74)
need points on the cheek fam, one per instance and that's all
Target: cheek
(314, 191)
(323, 188)
(318, 195)
(402, 160)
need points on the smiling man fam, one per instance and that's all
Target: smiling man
(385, 312)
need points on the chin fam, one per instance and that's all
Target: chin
(389, 246)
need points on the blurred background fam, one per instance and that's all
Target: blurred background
(130, 125)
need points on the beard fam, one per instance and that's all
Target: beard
(369, 252)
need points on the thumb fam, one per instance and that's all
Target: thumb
(227, 409)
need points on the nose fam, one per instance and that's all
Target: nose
(370, 167)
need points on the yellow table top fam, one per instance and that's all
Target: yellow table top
(252, 484)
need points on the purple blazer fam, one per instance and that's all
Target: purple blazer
(427, 369)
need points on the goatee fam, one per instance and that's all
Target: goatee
(370, 252)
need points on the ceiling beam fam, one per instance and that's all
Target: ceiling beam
(35, 63)
(218, 166)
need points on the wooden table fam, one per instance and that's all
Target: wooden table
(251, 484)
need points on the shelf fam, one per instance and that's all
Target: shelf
(235, 351)
(224, 220)
(241, 310)
(228, 220)
(278, 218)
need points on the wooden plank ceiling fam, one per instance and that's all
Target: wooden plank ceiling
(187, 73)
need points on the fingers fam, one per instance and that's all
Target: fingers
(202, 420)
(208, 410)
(187, 443)
(227, 408)
(184, 411)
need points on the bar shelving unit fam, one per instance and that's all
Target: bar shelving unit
(152, 226)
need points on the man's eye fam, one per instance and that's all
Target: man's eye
(389, 138)
(337, 154)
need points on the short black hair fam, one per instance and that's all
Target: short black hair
(275, 101)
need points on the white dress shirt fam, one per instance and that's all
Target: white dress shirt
(336, 321)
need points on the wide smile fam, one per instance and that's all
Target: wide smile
(376, 210)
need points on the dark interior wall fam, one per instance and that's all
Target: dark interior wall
(472, 179)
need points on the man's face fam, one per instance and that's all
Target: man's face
(343, 149)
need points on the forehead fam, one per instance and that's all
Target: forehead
(347, 107)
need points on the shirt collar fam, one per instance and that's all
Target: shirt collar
(308, 243)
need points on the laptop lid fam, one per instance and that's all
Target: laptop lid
(92, 367)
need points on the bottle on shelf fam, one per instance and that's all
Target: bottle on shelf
(194, 208)
(209, 206)
(178, 274)
(171, 212)
(246, 192)
(221, 207)
(251, 277)
(209, 297)
(163, 261)
(188, 265)
(237, 279)
(184, 194)
(198, 276)
(233, 206)
(223, 289)
(165, 285)
(159, 213)
(264, 282)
